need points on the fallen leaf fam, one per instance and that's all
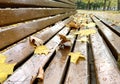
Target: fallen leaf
(70, 36)
(75, 56)
(2, 58)
(35, 41)
(113, 24)
(83, 39)
(73, 25)
(41, 50)
(91, 24)
(63, 38)
(5, 68)
(40, 73)
(3, 77)
(86, 32)
(83, 24)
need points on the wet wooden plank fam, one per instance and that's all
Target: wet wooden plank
(24, 49)
(78, 73)
(109, 24)
(112, 39)
(10, 16)
(22, 30)
(55, 71)
(22, 76)
(106, 68)
(33, 3)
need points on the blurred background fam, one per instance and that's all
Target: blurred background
(98, 5)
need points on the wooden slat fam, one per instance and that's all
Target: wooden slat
(66, 1)
(112, 39)
(54, 71)
(33, 3)
(78, 73)
(58, 66)
(73, 1)
(22, 50)
(106, 69)
(22, 30)
(114, 28)
(10, 16)
(22, 75)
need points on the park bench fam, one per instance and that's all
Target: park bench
(46, 19)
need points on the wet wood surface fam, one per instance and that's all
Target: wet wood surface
(55, 71)
(106, 68)
(112, 39)
(22, 30)
(111, 25)
(34, 3)
(78, 73)
(11, 16)
(24, 49)
(26, 73)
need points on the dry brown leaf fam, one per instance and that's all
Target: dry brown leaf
(40, 74)
(73, 25)
(35, 41)
(113, 24)
(63, 38)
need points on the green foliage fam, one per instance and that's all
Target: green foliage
(96, 4)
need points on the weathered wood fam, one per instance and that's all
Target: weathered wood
(73, 1)
(33, 3)
(114, 28)
(59, 63)
(112, 39)
(22, 30)
(106, 68)
(23, 49)
(10, 16)
(78, 73)
(26, 73)
(66, 1)
(54, 70)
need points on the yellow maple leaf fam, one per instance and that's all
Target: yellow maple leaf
(91, 24)
(5, 68)
(83, 39)
(3, 77)
(2, 58)
(75, 56)
(70, 36)
(86, 32)
(41, 50)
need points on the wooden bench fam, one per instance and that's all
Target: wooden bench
(110, 37)
(46, 19)
(109, 24)
(38, 18)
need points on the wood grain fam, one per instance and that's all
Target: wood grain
(25, 73)
(22, 30)
(106, 68)
(12, 16)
